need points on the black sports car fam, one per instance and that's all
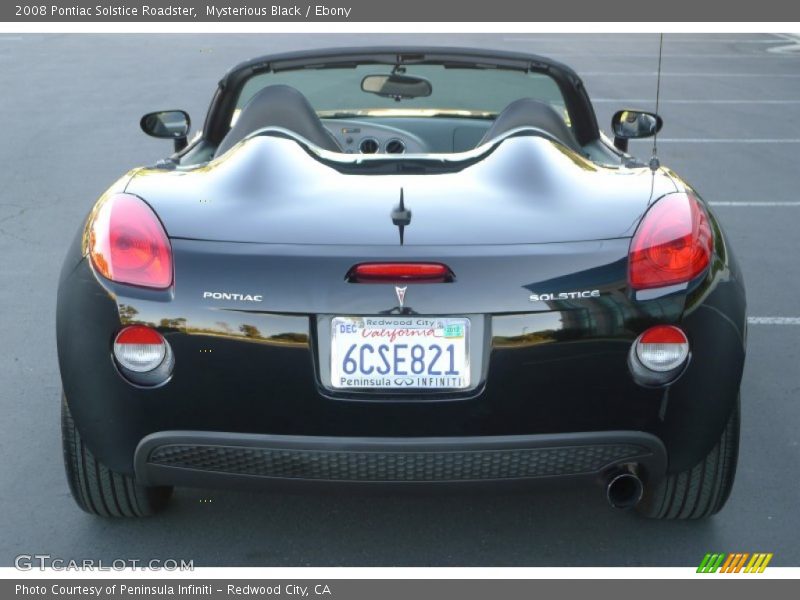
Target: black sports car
(401, 266)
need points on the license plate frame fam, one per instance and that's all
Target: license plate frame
(441, 365)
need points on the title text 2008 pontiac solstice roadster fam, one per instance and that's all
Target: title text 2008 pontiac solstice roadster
(401, 266)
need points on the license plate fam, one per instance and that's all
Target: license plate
(400, 353)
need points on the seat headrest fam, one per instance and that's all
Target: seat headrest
(279, 106)
(527, 112)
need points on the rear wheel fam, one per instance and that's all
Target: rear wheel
(97, 489)
(701, 491)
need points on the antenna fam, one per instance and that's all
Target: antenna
(654, 162)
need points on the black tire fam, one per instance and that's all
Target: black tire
(97, 489)
(702, 490)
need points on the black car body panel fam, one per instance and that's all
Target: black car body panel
(279, 220)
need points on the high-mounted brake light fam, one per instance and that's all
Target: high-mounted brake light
(672, 245)
(128, 244)
(400, 273)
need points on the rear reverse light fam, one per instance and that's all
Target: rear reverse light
(140, 349)
(400, 273)
(672, 245)
(127, 243)
(662, 348)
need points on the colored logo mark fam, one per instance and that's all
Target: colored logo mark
(734, 562)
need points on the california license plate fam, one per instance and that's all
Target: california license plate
(400, 352)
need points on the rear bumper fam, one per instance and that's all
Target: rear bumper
(255, 373)
(200, 459)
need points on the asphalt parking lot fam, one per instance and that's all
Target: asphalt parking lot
(70, 106)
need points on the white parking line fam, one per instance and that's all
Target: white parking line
(773, 320)
(728, 141)
(759, 204)
(683, 74)
(672, 38)
(792, 37)
(686, 101)
(654, 55)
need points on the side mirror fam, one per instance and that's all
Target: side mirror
(397, 86)
(634, 124)
(168, 124)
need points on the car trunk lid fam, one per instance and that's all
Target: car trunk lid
(527, 190)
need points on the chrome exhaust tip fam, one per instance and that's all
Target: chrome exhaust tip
(624, 490)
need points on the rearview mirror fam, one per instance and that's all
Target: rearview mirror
(634, 124)
(396, 86)
(168, 124)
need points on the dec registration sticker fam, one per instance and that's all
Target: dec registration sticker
(400, 353)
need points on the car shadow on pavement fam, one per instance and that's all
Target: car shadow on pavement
(569, 524)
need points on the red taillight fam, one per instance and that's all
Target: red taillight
(673, 243)
(663, 334)
(138, 334)
(400, 273)
(127, 243)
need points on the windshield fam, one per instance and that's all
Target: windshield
(456, 91)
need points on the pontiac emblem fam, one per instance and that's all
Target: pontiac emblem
(401, 294)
